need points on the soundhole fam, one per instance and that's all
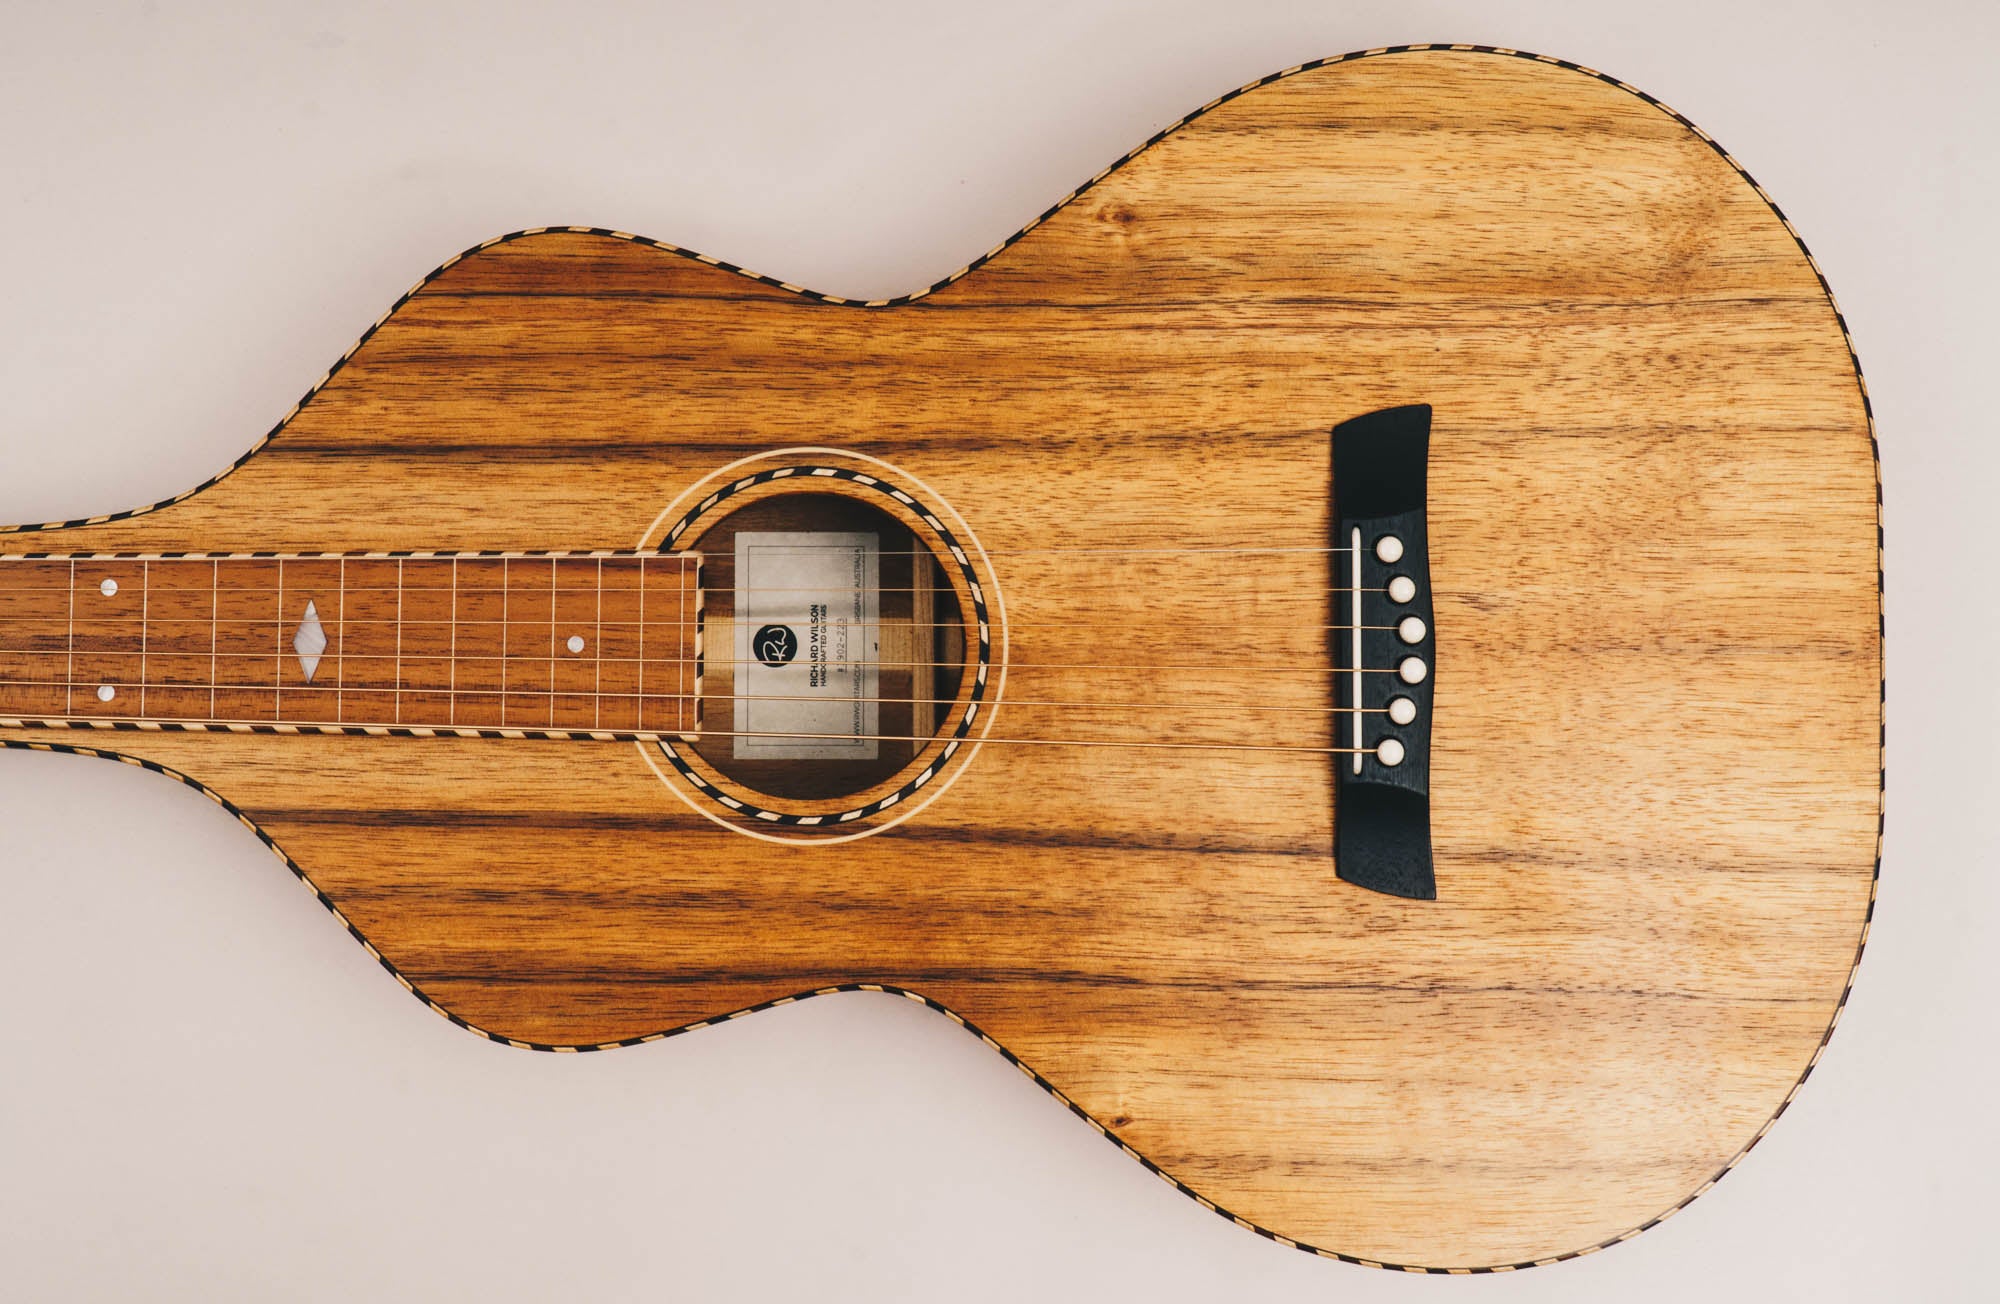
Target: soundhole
(805, 549)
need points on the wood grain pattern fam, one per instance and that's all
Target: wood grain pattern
(1656, 768)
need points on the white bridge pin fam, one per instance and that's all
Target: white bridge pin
(1389, 751)
(1412, 670)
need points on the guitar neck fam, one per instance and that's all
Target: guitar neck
(588, 643)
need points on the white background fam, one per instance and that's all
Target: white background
(208, 1092)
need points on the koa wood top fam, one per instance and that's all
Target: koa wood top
(1655, 768)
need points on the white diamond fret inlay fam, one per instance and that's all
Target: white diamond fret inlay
(309, 642)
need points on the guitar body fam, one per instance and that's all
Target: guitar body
(1655, 766)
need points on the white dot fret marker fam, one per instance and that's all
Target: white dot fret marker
(1402, 588)
(1389, 548)
(1402, 710)
(106, 692)
(1410, 629)
(575, 643)
(1413, 670)
(1389, 752)
(108, 588)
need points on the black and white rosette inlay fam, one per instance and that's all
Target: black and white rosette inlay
(955, 735)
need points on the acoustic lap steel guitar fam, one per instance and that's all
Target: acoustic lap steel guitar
(1349, 650)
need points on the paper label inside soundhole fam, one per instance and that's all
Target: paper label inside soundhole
(808, 645)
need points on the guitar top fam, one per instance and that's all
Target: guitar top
(1349, 649)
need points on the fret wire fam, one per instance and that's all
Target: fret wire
(680, 634)
(340, 655)
(214, 629)
(503, 639)
(278, 688)
(597, 651)
(399, 641)
(639, 717)
(69, 691)
(145, 576)
(552, 636)
(452, 706)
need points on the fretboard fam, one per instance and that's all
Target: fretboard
(581, 643)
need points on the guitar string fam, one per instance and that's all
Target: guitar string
(66, 646)
(711, 590)
(719, 586)
(475, 696)
(303, 686)
(678, 735)
(1137, 550)
(525, 659)
(580, 555)
(99, 625)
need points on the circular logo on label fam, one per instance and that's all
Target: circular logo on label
(776, 645)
